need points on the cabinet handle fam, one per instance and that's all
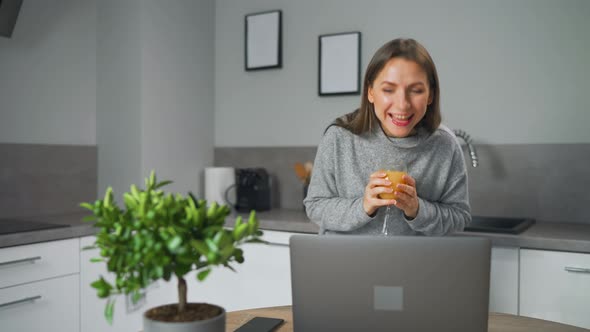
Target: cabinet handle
(26, 299)
(577, 269)
(18, 261)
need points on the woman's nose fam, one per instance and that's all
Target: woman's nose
(402, 100)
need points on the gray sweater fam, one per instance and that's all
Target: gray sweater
(341, 171)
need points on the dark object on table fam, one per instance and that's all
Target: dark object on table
(261, 324)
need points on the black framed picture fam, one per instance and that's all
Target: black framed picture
(339, 64)
(263, 49)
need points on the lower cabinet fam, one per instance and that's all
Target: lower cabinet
(40, 287)
(555, 286)
(263, 280)
(48, 305)
(504, 280)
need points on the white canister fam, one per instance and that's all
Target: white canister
(217, 181)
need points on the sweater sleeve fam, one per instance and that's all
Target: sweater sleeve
(323, 204)
(452, 212)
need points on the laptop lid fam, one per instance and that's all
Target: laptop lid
(409, 283)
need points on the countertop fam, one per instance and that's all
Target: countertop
(559, 236)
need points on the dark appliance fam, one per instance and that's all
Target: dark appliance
(253, 187)
(9, 10)
(13, 225)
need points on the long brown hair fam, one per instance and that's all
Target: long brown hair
(364, 118)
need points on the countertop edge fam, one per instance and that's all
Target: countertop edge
(542, 236)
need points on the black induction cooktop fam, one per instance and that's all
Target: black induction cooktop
(15, 225)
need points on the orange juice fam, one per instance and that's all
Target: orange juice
(395, 177)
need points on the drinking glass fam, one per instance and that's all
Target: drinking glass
(395, 172)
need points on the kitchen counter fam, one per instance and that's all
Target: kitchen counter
(77, 228)
(542, 235)
(559, 236)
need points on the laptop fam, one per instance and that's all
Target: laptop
(406, 283)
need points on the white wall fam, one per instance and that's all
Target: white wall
(155, 99)
(511, 71)
(48, 74)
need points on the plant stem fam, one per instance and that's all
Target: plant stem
(181, 295)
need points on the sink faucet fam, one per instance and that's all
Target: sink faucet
(467, 139)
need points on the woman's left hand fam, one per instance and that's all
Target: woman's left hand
(406, 197)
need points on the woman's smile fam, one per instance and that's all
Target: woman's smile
(400, 120)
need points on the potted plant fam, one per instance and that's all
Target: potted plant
(158, 236)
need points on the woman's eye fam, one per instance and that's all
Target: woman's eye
(417, 91)
(387, 90)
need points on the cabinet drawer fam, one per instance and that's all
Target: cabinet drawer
(53, 305)
(555, 286)
(33, 262)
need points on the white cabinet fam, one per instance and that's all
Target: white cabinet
(555, 286)
(92, 308)
(48, 305)
(39, 287)
(263, 280)
(504, 280)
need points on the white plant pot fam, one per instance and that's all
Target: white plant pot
(215, 324)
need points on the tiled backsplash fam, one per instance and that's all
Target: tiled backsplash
(549, 182)
(40, 179)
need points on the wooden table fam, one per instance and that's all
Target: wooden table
(496, 323)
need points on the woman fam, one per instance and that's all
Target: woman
(398, 120)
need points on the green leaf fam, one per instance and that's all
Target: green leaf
(135, 192)
(103, 288)
(174, 243)
(96, 260)
(163, 183)
(87, 206)
(200, 247)
(152, 180)
(89, 218)
(211, 245)
(130, 201)
(108, 311)
(239, 231)
(203, 274)
(108, 196)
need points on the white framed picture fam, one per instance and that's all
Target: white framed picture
(339, 64)
(263, 49)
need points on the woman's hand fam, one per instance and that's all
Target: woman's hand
(406, 197)
(378, 184)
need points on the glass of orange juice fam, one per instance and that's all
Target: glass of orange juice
(395, 172)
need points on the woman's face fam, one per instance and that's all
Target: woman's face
(400, 95)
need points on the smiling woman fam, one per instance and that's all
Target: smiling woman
(397, 122)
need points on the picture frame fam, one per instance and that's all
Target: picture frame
(263, 40)
(339, 64)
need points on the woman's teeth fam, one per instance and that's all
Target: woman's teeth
(401, 120)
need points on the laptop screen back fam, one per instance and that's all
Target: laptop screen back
(411, 283)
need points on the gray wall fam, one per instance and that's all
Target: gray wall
(118, 95)
(177, 130)
(511, 71)
(155, 99)
(48, 74)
